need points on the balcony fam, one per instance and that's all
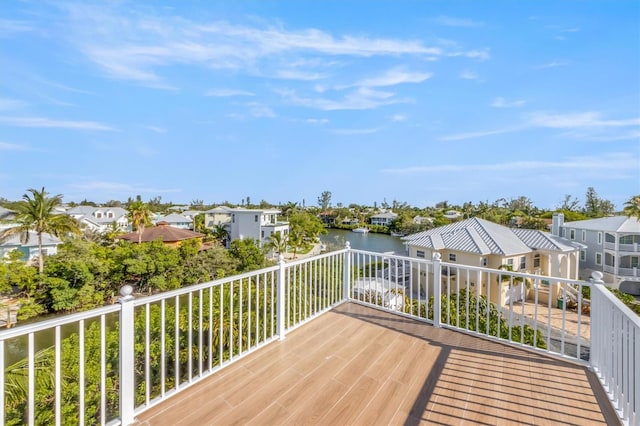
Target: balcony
(290, 344)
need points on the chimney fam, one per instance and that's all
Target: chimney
(558, 222)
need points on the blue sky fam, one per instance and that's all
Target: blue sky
(417, 101)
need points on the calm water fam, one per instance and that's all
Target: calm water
(337, 238)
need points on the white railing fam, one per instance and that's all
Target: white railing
(104, 366)
(108, 365)
(533, 311)
(615, 352)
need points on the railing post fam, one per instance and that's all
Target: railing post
(127, 367)
(598, 341)
(437, 283)
(281, 311)
(346, 279)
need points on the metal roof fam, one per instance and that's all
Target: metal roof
(483, 237)
(47, 240)
(607, 224)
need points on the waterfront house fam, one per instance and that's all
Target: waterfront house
(480, 243)
(612, 246)
(383, 219)
(256, 224)
(169, 235)
(100, 219)
(29, 249)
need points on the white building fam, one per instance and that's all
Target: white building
(383, 219)
(100, 219)
(256, 224)
(29, 249)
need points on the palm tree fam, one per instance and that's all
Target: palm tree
(221, 233)
(139, 216)
(632, 207)
(37, 213)
(278, 243)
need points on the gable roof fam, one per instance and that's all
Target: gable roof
(538, 240)
(174, 218)
(88, 213)
(387, 215)
(607, 224)
(483, 237)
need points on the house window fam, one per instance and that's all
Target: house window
(584, 235)
(510, 262)
(564, 233)
(598, 258)
(583, 255)
(233, 218)
(262, 234)
(599, 237)
(452, 257)
(99, 215)
(536, 261)
(255, 218)
(523, 262)
(634, 261)
(627, 239)
(420, 253)
(572, 234)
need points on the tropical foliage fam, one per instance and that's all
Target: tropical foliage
(37, 213)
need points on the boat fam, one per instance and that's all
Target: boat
(361, 230)
(397, 234)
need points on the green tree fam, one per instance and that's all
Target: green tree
(307, 226)
(324, 200)
(139, 215)
(248, 253)
(36, 213)
(594, 206)
(632, 207)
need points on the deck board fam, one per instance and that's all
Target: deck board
(360, 366)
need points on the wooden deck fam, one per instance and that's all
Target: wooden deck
(360, 366)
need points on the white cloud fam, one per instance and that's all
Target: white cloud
(577, 120)
(260, 111)
(53, 124)
(9, 27)
(5, 146)
(473, 135)
(393, 77)
(458, 22)
(228, 93)
(398, 117)
(135, 46)
(501, 102)
(317, 121)
(359, 99)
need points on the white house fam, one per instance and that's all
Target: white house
(612, 246)
(100, 219)
(383, 219)
(256, 224)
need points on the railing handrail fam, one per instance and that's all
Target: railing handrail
(611, 298)
(141, 300)
(21, 330)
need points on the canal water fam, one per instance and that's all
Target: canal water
(381, 243)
